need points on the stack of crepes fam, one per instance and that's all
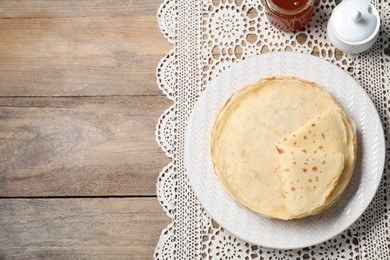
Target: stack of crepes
(283, 147)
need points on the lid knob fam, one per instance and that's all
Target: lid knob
(356, 16)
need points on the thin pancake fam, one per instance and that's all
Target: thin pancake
(251, 124)
(308, 177)
(326, 132)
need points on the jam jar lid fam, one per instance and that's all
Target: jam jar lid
(355, 20)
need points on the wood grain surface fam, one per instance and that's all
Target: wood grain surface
(72, 8)
(110, 228)
(78, 111)
(86, 146)
(80, 56)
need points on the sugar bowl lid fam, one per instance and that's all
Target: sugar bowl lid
(355, 20)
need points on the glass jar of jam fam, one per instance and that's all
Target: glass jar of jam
(289, 15)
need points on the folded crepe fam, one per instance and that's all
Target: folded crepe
(308, 177)
(270, 136)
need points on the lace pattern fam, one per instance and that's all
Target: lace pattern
(207, 37)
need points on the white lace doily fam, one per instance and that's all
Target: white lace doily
(207, 37)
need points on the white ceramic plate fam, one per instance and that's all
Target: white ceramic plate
(243, 222)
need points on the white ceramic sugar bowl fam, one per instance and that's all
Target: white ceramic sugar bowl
(354, 26)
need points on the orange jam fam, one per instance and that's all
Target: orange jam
(289, 15)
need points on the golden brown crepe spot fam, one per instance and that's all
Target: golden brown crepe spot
(304, 170)
(292, 188)
(323, 162)
(310, 180)
(305, 163)
(314, 169)
(304, 151)
(317, 179)
(315, 151)
(286, 170)
(295, 163)
(313, 125)
(305, 137)
(320, 147)
(309, 131)
(295, 143)
(280, 151)
(314, 187)
(284, 139)
(323, 136)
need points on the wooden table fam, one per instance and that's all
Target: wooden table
(78, 108)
